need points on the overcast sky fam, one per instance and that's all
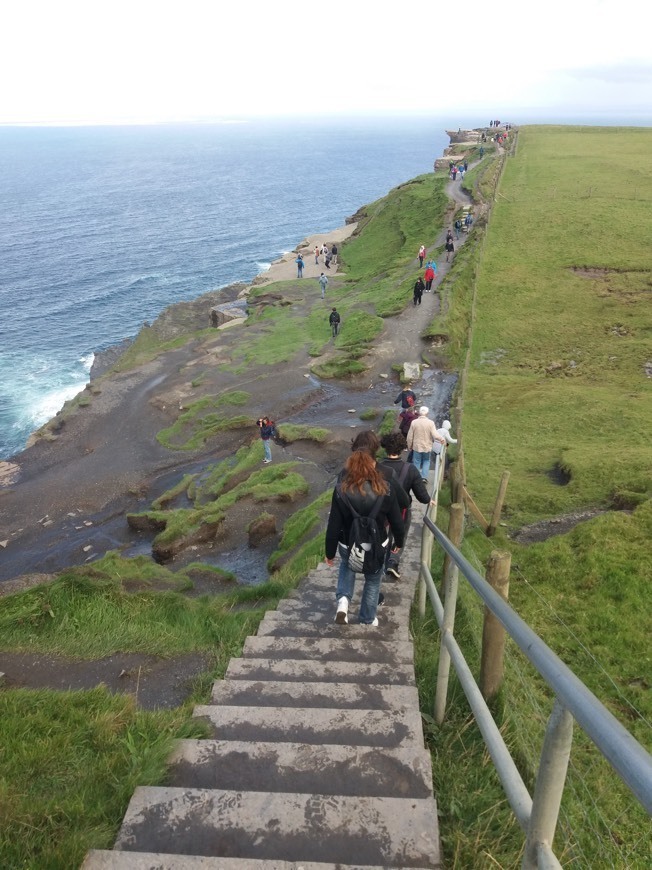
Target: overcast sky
(93, 61)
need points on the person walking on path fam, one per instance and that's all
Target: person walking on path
(361, 488)
(450, 247)
(300, 265)
(267, 432)
(422, 255)
(468, 220)
(408, 478)
(406, 397)
(316, 255)
(444, 432)
(421, 437)
(458, 228)
(405, 419)
(323, 282)
(334, 320)
(334, 254)
(419, 287)
(430, 277)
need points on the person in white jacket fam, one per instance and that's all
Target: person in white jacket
(445, 433)
(421, 437)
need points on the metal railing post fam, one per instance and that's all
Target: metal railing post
(450, 604)
(426, 534)
(549, 787)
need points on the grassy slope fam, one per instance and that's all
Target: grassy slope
(592, 416)
(587, 592)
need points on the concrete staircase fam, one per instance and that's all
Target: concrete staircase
(317, 757)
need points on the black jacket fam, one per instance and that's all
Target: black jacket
(403, 398)
(341, 518)
(413, 482)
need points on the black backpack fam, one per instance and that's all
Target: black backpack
(367, 540)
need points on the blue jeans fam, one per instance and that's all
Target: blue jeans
(422, 462)
(267, 449)
(370, 592)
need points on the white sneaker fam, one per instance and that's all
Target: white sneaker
(341, 617)
(374, 623)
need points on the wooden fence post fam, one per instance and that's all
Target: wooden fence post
(493, 633)
(455, 533)
(500, 498)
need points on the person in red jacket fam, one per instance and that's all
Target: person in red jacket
(429, 275)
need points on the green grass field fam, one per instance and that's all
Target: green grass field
(558, 393)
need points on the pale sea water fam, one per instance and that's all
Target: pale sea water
(101, 228)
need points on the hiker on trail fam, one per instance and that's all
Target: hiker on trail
(334, 254)
(458, 228)
(429, 275)
(316, 255)
(300, 265)
(482, 151)
(454, 172)
(327, 260)
(419, 287)
(334, 320)
(408, 478)
(361, 490)
(323, 283)
(406, 397)
(406, 418)
(468, 220)
(449, 234)
(422, 255)
(450, 247)
(368, 442)
(445, 433)
(267, 432)
(420, 439)
(466, 165)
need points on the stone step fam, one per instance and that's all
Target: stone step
(290, 627)
(344, 696)
(387, 832)
(371, 649)
(324, 603)
(303, 609)
(298, 670)
(388, 728)
(99, 859)
(302, 768)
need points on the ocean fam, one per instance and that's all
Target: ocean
(103, 227)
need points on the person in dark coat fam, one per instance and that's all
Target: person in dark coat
(362, 484)
(405, 394)
(419, 287)
(409, 479)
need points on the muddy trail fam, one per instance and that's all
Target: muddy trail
(64, 500)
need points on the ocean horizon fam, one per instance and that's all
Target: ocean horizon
(101, 228)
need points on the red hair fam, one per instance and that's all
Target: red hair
(360, 468)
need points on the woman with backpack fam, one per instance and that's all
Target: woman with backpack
(363, 503)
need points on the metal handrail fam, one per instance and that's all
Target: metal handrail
(628, 758)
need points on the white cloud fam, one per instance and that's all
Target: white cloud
(146, 60)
